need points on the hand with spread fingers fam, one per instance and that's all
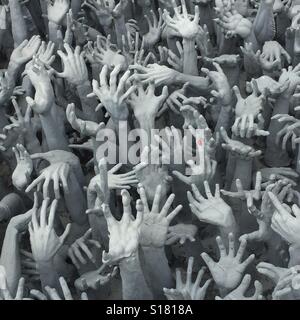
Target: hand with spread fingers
(124, 235)
(188, 290)
(213, 210)
(228, 271)
(237, 148)
(156, 222)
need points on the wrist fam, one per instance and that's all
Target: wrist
(229, 226)
(53, 25)
(82, 86)
(13, 66)
(129, 262)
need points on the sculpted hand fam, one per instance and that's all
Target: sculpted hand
(156, 222)
(75, 70)
(188, 290)
(237, 148)
(85, 128)
(228, 271)
(272, 272)
(102, 9)
(124, 234)
(113, 95)
(181, 233)
(284, 223)
(290, 131)
(79, 251)
(213, 210)
(23, 170)
(160, 75)
(155, 28)
(181, 23)
(145, 104)
(61, 163)
(222, 90)
(4, 292)
(232, 23)
(273, 53)
(251, 107)
(107, 55)
(246, 195)
(44, 95)
(57, 9)
(95, 279)
(239, 292)
(25, 51)
(245, 127)
(54, 295)
(43, 239)
(279, 173)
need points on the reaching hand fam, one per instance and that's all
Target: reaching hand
(95, 279)
(160, 75)
(272, 272)
(57, 9)
(156, 222)
(181, 233)
(284, 223)
(237, 148)
(145, 103)
(232, 23)
(248, 109)
(75, 70)
(23, 170)
(124, 234)
(188, 290)
(246, 195)
(79, 250)
(43, 239)
(4, 292)
(85, 128)
(105, 54)
(213, 210)
(228, 271)
(239, 292)
(181, 23)
(25, 51)
(155, 28)
(289, 131)
(54, 295)
(222, 90)
(113, 96)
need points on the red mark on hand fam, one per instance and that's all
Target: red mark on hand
(200, 142)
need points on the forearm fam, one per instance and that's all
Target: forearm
(230, 227)
(120, 30)
(52, 32)
(134, 286)
(199, 83)
(34, 7)
(147, 125)
(88, 104)
(294, 251)
(18, 25)
(54, 130)
(282, 158)
(10, 258)
(157, 277)
(75, 201)
(190, 57)
(48, 274)
(11, 206)
(243, 171)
